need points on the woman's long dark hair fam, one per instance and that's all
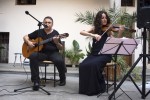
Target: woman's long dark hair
(98, 23)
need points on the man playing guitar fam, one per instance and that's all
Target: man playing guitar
(49, 51)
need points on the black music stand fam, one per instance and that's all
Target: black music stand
(118, 46)
(39, 25)
(144, 56)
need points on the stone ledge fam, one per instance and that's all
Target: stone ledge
(20, 69)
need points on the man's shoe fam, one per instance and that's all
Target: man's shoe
(62, 83)
(36, 86)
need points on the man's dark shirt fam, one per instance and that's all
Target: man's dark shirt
(50, 46)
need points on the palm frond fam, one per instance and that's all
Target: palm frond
(86, 18)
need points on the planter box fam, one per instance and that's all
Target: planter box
(110, 72)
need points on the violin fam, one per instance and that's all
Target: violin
(115, 28)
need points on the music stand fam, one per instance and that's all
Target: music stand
(39, 25)
(118, 46)
(144, 56)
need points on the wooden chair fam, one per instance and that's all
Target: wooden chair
(106, 76)
(107, 72)
(47, 62)
(110, 71)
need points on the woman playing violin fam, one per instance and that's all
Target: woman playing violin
(91, 80)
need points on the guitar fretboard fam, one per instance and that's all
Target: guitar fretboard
(45, 41)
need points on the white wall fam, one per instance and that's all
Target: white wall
(14, 20)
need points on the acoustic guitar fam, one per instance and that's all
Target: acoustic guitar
(27, 51)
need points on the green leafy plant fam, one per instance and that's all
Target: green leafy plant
(1, 47)
(75, 53)
(122, 63)
(88, 50)
(135, 74)
(86, 18)
(120, 16)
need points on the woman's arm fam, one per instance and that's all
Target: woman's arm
(87, 33)
(90, 34)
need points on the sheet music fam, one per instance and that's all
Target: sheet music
(127, 48)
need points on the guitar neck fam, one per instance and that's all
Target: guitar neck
(50, 39)
(45, 41)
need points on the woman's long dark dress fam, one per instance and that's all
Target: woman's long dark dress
(91, 80)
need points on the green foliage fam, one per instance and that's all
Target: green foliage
(1, 47)
(122, 17)
(118, 16)
(136, 73)
(122, 63)
(86, 18)
(74, 54)
(88, 50)
(125, 68)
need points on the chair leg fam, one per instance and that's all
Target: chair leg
(45, 72)
(54, 75)
(107, 80)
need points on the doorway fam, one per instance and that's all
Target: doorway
(4, 47)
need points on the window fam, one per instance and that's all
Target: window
(128, 3)
(26, 2)
(4, 47)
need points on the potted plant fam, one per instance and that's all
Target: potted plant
(74, 54)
